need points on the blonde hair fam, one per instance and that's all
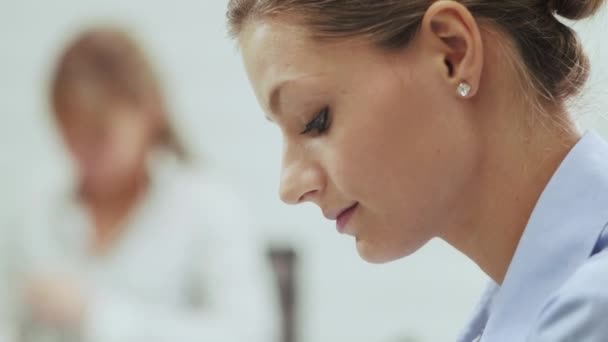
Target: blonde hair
(554, 61)
(108, 61)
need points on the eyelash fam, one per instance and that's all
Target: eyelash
(320, 123)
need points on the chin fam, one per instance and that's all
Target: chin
(378, 253)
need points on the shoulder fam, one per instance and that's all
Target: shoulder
(577, 311)
(190, 183)
(37, 203)
(219, 221)
(210, 192)
(205, 197)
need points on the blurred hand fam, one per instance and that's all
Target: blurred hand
(56, 300)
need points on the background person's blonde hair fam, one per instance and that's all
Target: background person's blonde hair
(105, 64)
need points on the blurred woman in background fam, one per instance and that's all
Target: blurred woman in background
(140, 248)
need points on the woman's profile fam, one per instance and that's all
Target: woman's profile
(414, 119)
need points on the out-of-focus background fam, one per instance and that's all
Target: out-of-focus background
(426, 297)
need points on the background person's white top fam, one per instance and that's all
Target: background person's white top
(188, 267)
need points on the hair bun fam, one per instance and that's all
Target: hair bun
(575, 9)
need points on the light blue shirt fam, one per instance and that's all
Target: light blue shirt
(556, 287)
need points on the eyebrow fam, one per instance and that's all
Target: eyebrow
(275, 94)
(274, 97)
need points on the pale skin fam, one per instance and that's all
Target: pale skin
(109, 144)
(392, 136)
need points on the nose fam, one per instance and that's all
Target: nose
(301, 179)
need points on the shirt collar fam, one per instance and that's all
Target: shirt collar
(561, 234)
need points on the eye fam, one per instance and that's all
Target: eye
(319, 124)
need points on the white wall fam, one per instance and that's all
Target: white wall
(343, 299)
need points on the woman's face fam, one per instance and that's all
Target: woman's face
(109, 141)
(377, 134)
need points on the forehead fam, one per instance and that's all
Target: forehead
(276, 51)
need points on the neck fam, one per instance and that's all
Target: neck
(108, 208)
(517, 163)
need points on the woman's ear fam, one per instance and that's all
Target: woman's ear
(452, 36)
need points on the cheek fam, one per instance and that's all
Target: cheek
(76, 139)
(127, 144)
(373, 143)
(407, 161)
(117, 155)
(406, 147)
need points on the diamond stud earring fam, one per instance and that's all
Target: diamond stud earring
(464, 89)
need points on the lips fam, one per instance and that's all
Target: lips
(344, 217)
